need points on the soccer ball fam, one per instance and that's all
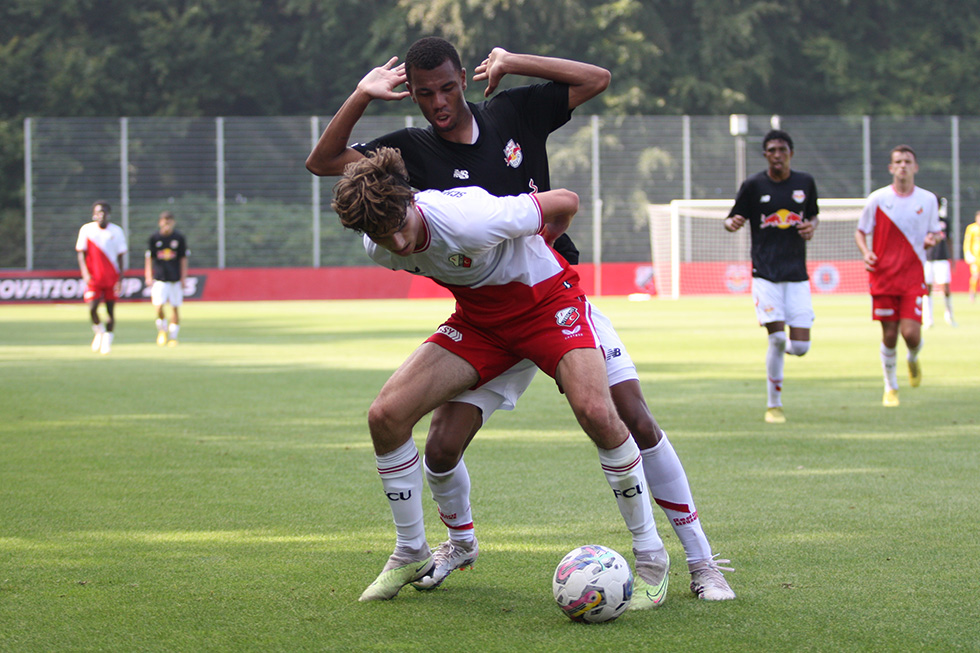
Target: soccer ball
(593, 584)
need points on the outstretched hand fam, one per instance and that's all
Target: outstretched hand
(381, 82)
(491, 69)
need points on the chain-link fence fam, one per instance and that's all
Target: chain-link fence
(243, 197)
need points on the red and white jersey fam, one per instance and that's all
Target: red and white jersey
(898, 226)
(102, 249)
(485, 249)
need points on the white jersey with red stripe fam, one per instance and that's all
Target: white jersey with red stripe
(485, 249)
(898, 225)
(102, 249)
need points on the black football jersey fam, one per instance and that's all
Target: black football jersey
(165, 253)
(509, 156)
(773, 209)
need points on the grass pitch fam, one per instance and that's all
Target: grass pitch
(221, 495)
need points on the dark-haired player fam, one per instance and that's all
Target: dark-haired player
(780, 206)
(166, 274)
(100, 247)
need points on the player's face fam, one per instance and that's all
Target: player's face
(778, 154)
(439, 94)
(903, 167)
(166, 226)
(401, 240)
(100, 215)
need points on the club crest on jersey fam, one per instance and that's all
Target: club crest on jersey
(566, 317)
(765, 198)
(781, 219)
(799, 196)
(460, 261)
(513, 156)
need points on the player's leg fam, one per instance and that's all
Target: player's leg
(943, 280)
(974, 277)
(452, 428)
(175, 297)
(799, 316)
(428, 378)
(889, 360)
(769, 310)
(158, 299)
(929, 269)
(93, 300)
(581, 373)
(110, 324)
(910, 326)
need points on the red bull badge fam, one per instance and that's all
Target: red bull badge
(799, 196)
(513, 156)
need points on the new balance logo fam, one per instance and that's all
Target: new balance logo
(461, 174)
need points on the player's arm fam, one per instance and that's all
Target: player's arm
(870, 258)
(183, 271)
(86, 277)
(148, 268)
(558, 207)
(585, 80)
(122, 271)
(331, 154)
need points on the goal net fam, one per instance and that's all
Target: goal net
(693, 254)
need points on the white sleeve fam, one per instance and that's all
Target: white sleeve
(866, 223)
(82, 243)
(492, 220)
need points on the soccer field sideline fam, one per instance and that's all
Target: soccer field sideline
(221, 495)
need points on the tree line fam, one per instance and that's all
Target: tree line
(304, 57)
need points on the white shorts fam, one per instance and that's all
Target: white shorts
(785, 301)
(937, 272)
(504, 391)
(167, 292)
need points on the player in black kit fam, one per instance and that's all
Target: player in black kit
(780, 206)
(166, 274)
(500, 145)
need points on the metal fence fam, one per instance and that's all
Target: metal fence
(243, 197)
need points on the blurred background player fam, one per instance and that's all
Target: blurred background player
(938, 274)
(166, 274)
(903, 221)
(100, 247)
(971, 253)
(780, 205)
(500, 146)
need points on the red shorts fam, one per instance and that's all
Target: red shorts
(544, 336)
(892, 308)
(95, 291)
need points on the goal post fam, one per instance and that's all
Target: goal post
(691, 252)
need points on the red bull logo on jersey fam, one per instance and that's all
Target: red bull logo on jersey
(781, 219)
(461, 261)
(513, 156)
(799, 196)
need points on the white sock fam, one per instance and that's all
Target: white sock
(927, 309)
(624, 473)
(888, 365)
(451, 492)
(98, 329)
(174, 330)
(774, 368)
(161, 325)
(798, 347)
(401, 478)
(668, 484)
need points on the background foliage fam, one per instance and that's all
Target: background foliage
(303, 57)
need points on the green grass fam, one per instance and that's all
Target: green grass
(222, 495)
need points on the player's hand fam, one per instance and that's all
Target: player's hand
(931, 240)
(806, 229)
(381, 82)
(491, 69)
(870, 260)
(734, 222)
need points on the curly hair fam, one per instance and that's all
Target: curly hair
(373, 194)
(430, 52)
